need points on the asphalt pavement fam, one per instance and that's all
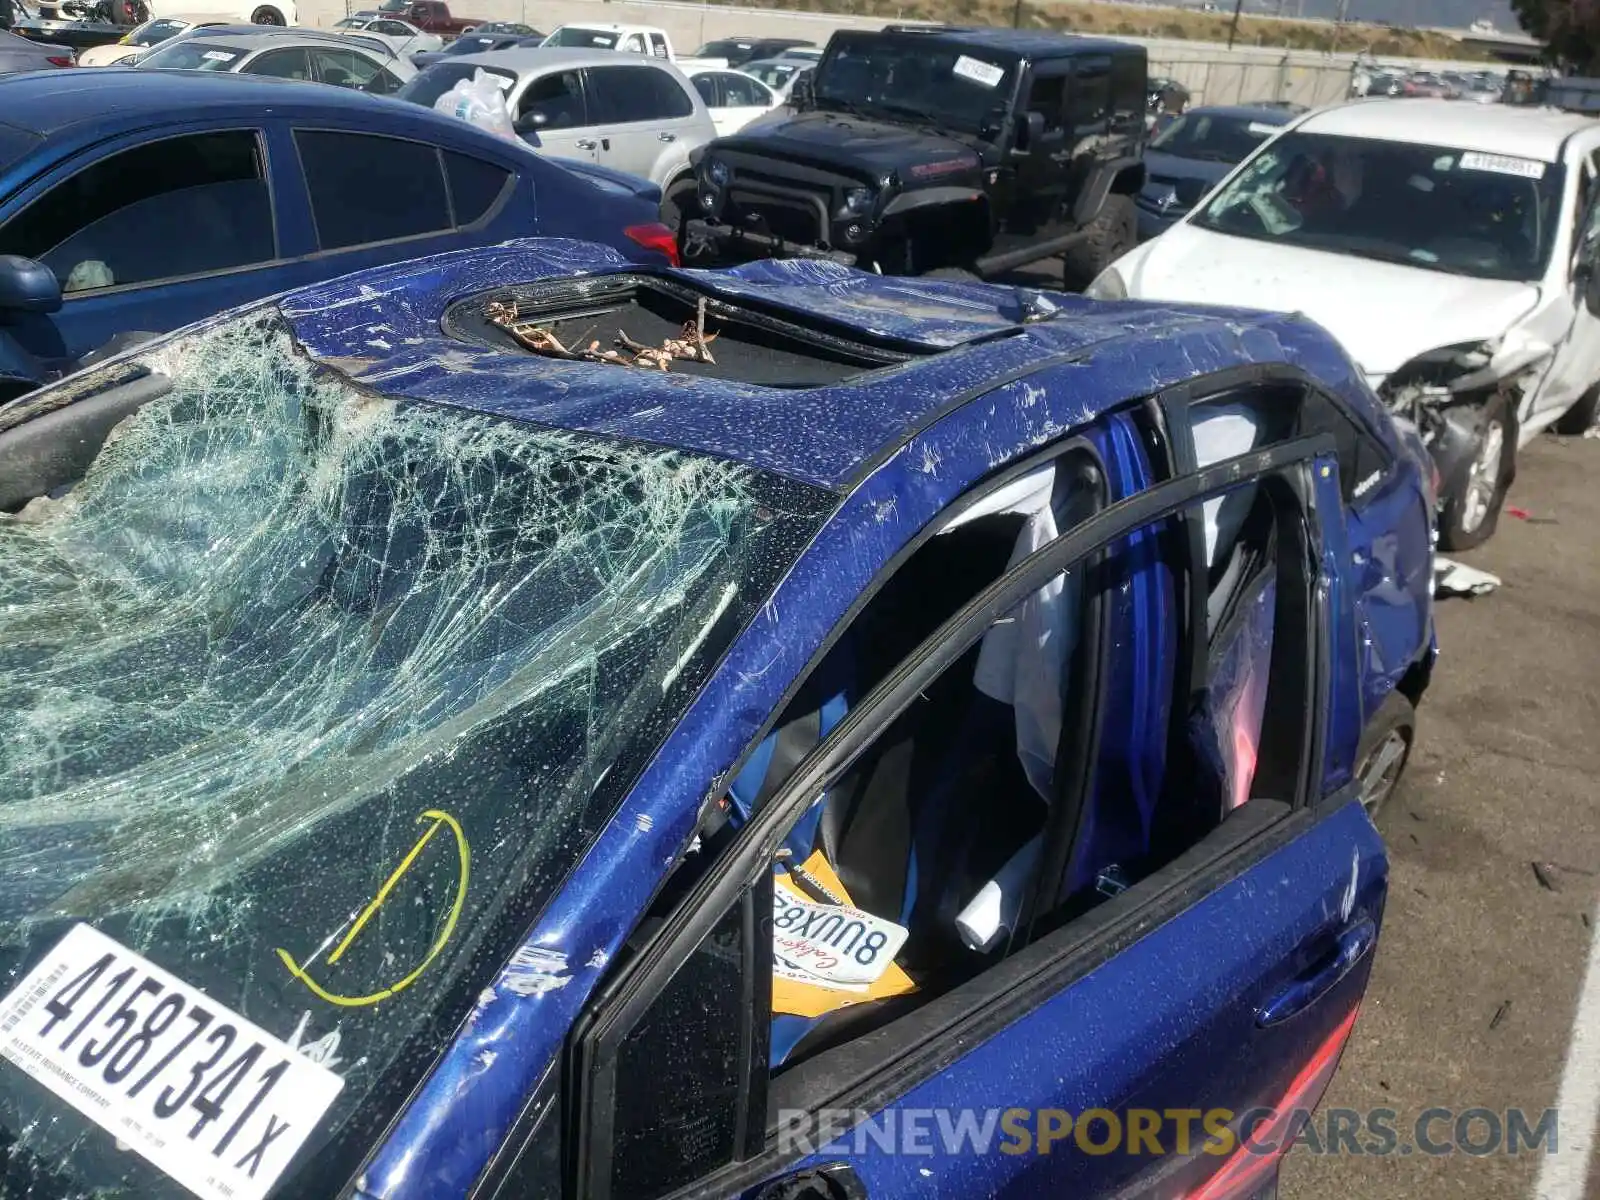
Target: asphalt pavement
(1482, 956)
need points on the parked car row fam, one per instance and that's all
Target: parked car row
(1481, 87)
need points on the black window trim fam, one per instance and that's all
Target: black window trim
(358, 51)
(48, 182)
(585, 96)
(488, 216)
(630, 62)
(1054, 959)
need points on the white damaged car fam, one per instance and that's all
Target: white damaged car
(1453, 249)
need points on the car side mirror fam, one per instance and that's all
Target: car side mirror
(802, 94)
(1589, 283)
(27, 286)
(1030, 128)
(531, 122)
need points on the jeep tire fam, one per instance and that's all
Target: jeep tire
(1111, 235)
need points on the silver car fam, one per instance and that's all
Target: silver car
(405, 37)
(631, 113)
(19, 54)
(284, 53)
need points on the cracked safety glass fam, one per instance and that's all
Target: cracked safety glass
(313, 696)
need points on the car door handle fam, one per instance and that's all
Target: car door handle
(585, 143)
(1349, 948)
(836, 1181)
(664, 136)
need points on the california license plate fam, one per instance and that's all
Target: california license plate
(206, 1096)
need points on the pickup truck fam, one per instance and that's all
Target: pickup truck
(432, 16)
(628, 39)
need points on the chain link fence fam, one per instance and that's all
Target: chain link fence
(1225, 79)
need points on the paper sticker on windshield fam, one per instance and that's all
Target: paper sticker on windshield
(219, 56)
(212, 1100)
(978, 71)
(1503, 164)
(1264, 128)
(832, 945)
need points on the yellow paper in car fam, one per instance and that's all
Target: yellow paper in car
(829, 956)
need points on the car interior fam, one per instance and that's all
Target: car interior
(938, 826)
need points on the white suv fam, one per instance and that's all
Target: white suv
(1453, 249)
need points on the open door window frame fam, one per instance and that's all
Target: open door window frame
(1286, 472)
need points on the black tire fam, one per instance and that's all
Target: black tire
(1474, 496)
(266, 15)
(1384, 751)
(952, 275)
(678, 201)
(1581, 415)
(1114, 232)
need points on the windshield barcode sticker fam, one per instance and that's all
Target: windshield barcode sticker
(218, 56)
(978, 71)
(1503, 164)
(1264, 128)
(209, 1098)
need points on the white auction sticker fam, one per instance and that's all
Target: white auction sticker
(978, 71)
(209, 1098)
(1266, 129)
(833, 945)
(1503, 164)
(218, 56)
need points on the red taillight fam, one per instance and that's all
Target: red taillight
(58, 60)
(657, 237)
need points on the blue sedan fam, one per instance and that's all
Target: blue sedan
(523, 724)
(152, 201)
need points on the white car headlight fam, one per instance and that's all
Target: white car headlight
(1108, 285)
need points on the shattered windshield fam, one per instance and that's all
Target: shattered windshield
(1462, 212)
(314, 696)
(910, 79)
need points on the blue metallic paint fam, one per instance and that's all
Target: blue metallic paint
(130, 108)
(382, 329)
(1092, 1044)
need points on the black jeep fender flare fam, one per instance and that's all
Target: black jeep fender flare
(930, 197)
(1093, 197)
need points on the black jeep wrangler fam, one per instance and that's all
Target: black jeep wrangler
(936, 149)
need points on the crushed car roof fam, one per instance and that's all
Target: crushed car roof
(382, 328)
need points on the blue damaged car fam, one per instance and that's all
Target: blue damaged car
(523, 724)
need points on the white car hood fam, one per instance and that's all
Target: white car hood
(1384, 314)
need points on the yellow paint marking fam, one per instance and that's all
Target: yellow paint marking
(463, 852)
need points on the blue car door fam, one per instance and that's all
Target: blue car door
(1186, 958)
(146, 233)
(353, 199)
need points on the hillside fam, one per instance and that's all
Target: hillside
(1148, 21)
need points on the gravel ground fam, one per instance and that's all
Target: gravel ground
(1476, 981)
